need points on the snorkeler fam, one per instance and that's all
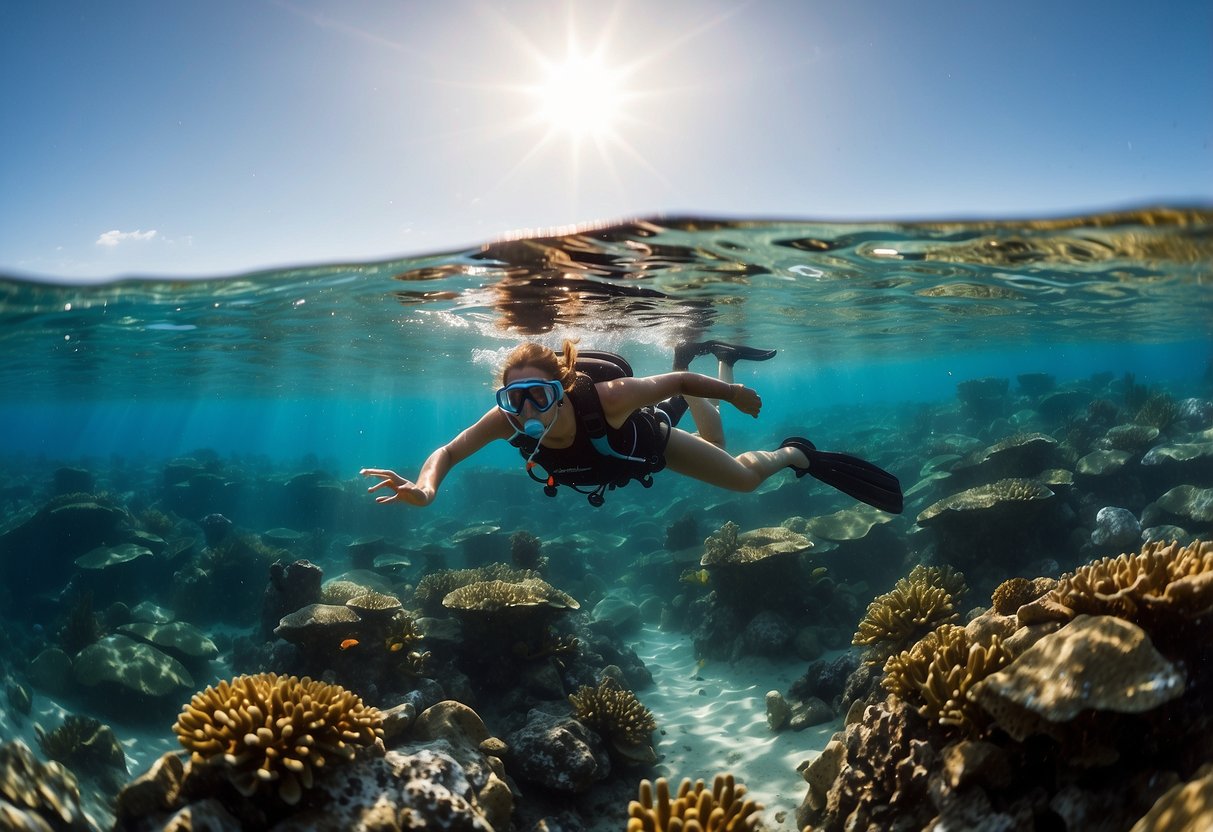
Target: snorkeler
(587, 422)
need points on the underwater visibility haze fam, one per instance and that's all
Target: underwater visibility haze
(181, 516)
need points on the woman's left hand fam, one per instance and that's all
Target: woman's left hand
(746, 400)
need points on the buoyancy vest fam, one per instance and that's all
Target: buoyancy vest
(601, 457)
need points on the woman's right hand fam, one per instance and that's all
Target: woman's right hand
(403, 491)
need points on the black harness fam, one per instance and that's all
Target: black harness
(601, 458)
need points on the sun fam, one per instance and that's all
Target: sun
(582, 96)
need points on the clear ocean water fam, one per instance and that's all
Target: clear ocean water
(318, 371)
(353, 364)
(332, 368)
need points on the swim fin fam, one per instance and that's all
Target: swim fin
(850, 475)
(728, 353)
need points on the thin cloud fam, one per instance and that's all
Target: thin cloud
(112, 238)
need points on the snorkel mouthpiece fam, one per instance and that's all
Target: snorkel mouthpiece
(533, 428)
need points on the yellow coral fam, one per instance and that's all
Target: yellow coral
(1013, 593)
(494, 596)
(1162, 580)
(613, 712)
(432, 588)
(936, 675)
(694, 808)
(916, 605)
(270, 731)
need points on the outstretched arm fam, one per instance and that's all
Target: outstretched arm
(492, 425)
(624, 395)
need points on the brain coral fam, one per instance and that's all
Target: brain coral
(916, 605)
(936, 675)
(1164, 582)
(723, 809)
(271, 732)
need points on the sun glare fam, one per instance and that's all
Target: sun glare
(581, 96)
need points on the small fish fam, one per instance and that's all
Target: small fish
(820, 572)
(348, 643)
(701, 577)
(395, 646)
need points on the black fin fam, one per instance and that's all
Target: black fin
(850, 475)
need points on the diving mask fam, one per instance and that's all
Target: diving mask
(542, 393)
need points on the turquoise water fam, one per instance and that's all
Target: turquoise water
(334, 368)
(281, 385)
(378, 363)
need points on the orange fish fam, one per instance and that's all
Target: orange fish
(348, 643)
(396, 646)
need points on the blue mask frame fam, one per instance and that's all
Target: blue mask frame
(542, 393)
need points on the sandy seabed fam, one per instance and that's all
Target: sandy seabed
(711, 719)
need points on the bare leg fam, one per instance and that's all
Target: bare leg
(696, 457)
(706, 412)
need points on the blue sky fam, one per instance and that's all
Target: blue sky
(184, 139)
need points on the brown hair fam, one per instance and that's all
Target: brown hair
(561, 367)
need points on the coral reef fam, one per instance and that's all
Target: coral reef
(1013, 593)
(917, 604)
(440, 774)
(1008, 492)
(728, 546)
(1101, 723)
(883, 777)
(1110, 665)
(937, 673)
(752, 572)
(721, 544)
(495, 596)
(988, 529)
(1160, 587)
(267, 732)
(723, 808)
(617, 715)
(434, 587)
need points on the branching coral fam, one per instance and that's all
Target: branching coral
(721, 544)
(917, 604)
(694, 808)
(1163, 581)
(936, 674)
(267, 731)
(613, 712)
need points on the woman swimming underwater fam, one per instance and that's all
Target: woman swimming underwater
(588, 423)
